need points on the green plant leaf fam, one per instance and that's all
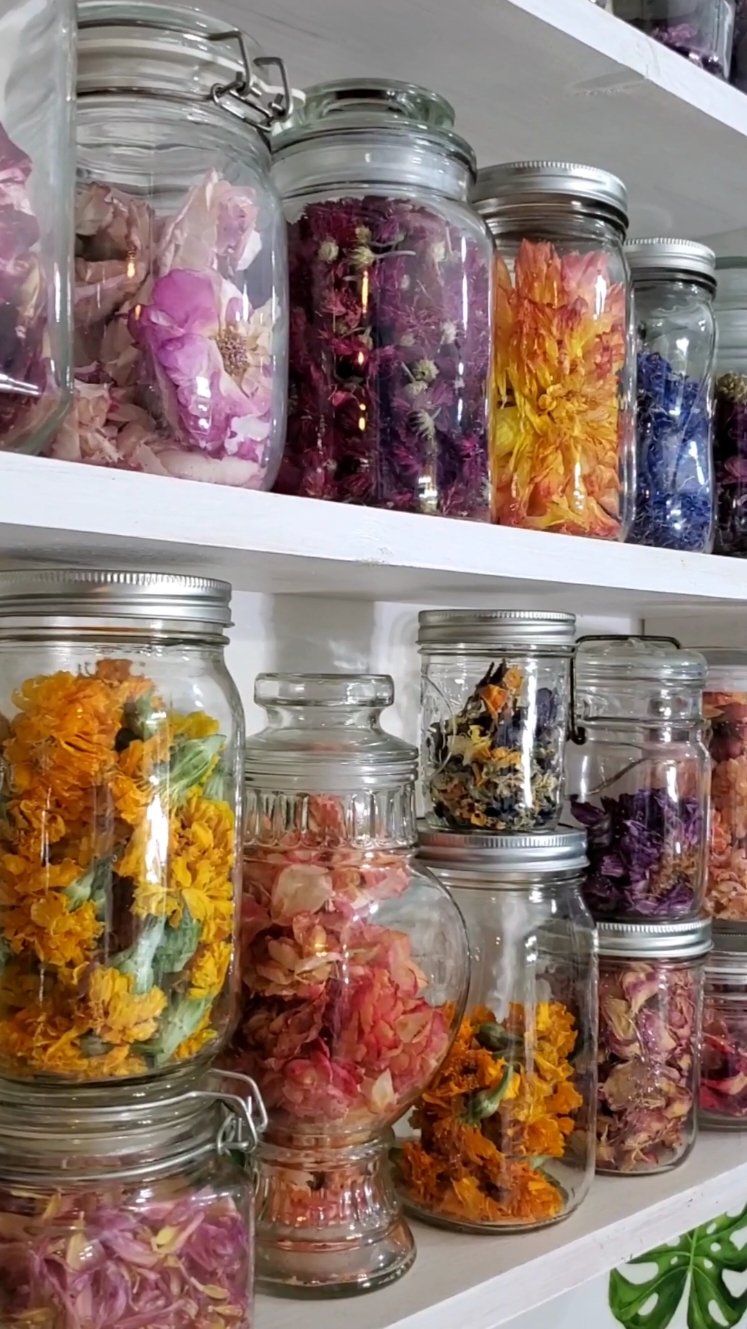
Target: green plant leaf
(696, 1264)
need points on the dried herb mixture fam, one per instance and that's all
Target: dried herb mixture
(726, 895)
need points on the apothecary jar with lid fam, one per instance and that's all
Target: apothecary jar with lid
(354, 975)
(503, 1137)
(180, 268)
(121, 735)
(723, 1075)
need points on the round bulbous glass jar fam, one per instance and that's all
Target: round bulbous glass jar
(650, 1014)
(36, 172)
(390, 302)
(638, 776)
(180, 268)
(723, 1071)
(503, 1138)
(701, 30)
(354, 975)
(730, 421)
(725, 702)
(128, 1206)
(562, 429)
(674, 283)
(495, 688)
(121, 734)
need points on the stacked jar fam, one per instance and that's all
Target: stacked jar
(730, 424)
(639, 780)
(354, 973)
(562, 428)
(121, 737)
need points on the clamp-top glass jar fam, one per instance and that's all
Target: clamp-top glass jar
(121, 736)
(639, 776)
(180, 271)
(561, 403)
(674, 283)
(723, 1077)
(726, 712)
(37, 42)
(354, 967)
(730, 424)
(390, 302)
(120, 1206)
(504, 1135)
(495, 688)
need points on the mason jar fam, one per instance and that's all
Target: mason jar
(730, 423)
(650, 1014)
(180, 268)
(390, 302)
(128, 1206)
(495, 688)
(121, 735)
(639, 776)
(503, 1137)
(701, 30)
(562, 430)
(674, 282)
(37, 41)
(723, 1072)
(726, 712)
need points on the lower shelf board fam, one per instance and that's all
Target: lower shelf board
(483, 1282)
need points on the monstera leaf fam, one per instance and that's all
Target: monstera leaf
(695, 1264)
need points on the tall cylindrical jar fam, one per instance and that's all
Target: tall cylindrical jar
(701, 30)
(128, 1206)
(503, 1137)
(121, 734)
(37, 41)
(390, 302)
(723, 1076)
(354, 972)
(495, 689)
(650, 1024)
(639, 776)
(674, 282)
(726, 712)
(730, 424)
(562, 428)
(180, 268)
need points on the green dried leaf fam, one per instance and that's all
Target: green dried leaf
(177, 947)
(179, 1021)
(486, 1102)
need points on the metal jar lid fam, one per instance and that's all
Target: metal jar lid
(684, 260)
(495, 861)
(197, 606)
(455, 630)
(682, 939)
(512, 191)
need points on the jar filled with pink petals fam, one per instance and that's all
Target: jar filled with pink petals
(354, 969)
(180, 263)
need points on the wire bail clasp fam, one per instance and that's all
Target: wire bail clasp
(246, 1117)
(248, 88)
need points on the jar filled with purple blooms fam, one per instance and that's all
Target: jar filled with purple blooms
(701, 30)
(389, 302)
(730, 424)
(639, 776)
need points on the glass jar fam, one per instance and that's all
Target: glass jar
(495, 687)
(562, 429)
(504, 1136)
(121, 735)
(125, 1206)
(390, 302)
(723, 1073)
(650, 1012)
(180, 269)
(36, 148)
(701, 30)
(726, 711)
(354, 967)
(738, 75)
(639, 776)
(730, 423)
(674, 282)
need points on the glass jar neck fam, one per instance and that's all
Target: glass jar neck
(553, 221)
(658, 287)
(314, 716)
(370, 161)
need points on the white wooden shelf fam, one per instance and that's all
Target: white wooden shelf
(483, 1282)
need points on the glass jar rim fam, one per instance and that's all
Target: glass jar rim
(526, 857)
(460, 630)
(169, 602)
(636, 659)
(509, 191)
(324, 690)
(678, 939)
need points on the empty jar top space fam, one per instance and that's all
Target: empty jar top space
(457, 630)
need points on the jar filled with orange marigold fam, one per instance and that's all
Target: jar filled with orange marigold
(120, 740)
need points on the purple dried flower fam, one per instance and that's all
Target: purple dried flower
(730, 461)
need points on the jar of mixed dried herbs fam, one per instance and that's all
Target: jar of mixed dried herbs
(354, 974)
(650, 1014)
(128, 1205)
(389, 302)
(180, 301)
(503, 1137)
(701, 30)
(674, 283)
(730, 424)
(495, 688)
(726, 711)
(639, 776)
(723, 1072)
(121, 735)
(562, 431)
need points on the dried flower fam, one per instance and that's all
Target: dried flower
(726, 894)
(701, 31)
(730, 462)
(723, 1074)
